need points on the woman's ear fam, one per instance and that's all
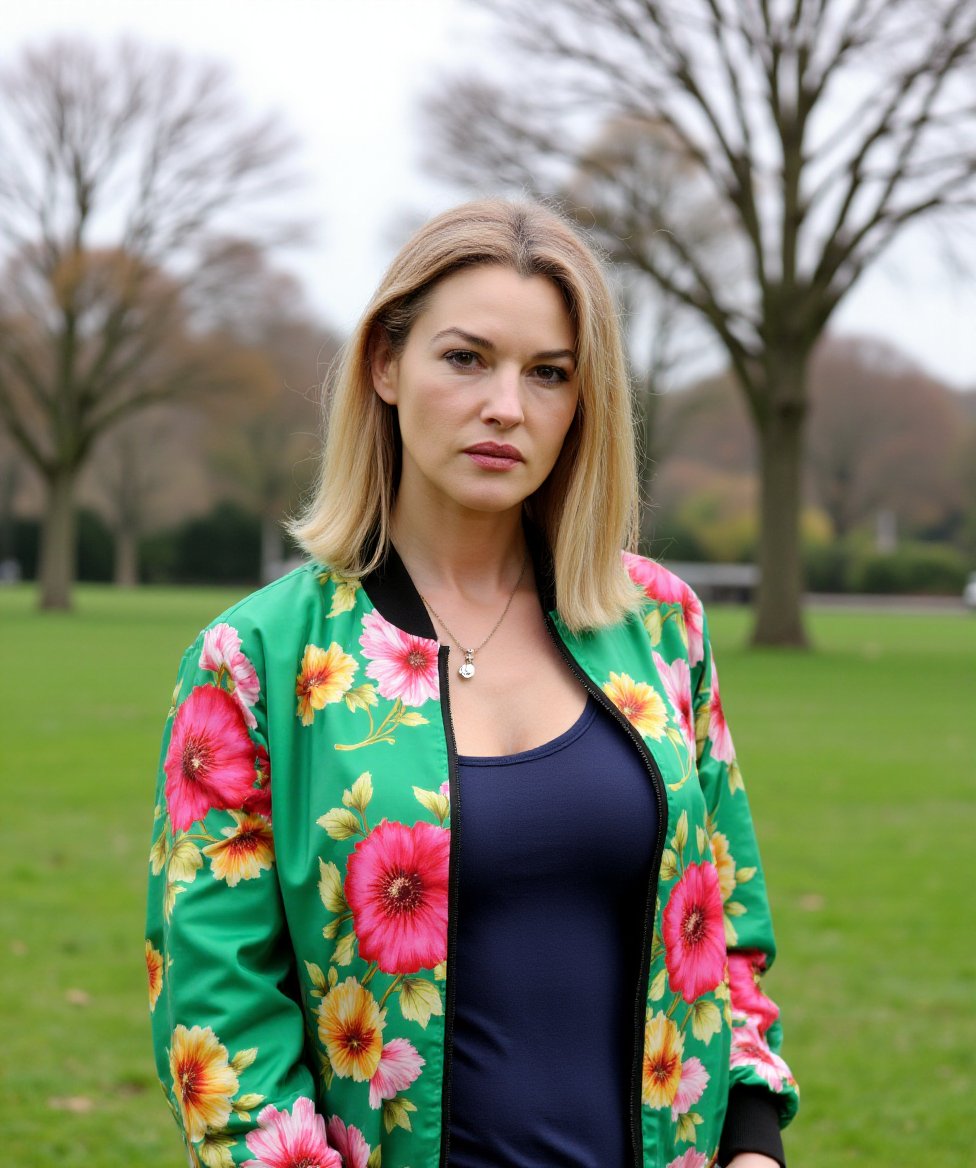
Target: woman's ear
(383, 368)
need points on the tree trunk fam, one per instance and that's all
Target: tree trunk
(56, 567)
(126, 558)
(779, 616)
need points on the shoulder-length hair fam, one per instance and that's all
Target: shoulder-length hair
(586, 508)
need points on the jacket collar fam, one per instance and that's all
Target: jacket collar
(393, 593)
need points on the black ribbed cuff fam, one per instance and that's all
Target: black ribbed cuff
(751, 1125)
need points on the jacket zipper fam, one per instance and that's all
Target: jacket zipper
(657, 784)
(452, 900)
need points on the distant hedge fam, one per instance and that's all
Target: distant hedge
(223, 547)
(932, 569)
(22, 541)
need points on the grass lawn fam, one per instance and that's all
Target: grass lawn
(859, 759)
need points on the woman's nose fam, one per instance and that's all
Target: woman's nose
(503, 405)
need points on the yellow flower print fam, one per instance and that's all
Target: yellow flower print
(729, 879)
(640, 703)
(154, 968)
(351, 1029)
(247, 851)
(663, 1047)
(724, 864)
(203, 1080)
(325, 677)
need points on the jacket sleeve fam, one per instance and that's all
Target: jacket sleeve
(227, 1028)
(763, 1094)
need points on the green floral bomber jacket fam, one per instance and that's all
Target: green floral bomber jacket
(302, 882)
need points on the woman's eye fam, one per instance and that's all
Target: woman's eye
(551, 373)
(461, 358)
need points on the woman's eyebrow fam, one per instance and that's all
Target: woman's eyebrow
(468, 338)
(555, 354)
(490, 347)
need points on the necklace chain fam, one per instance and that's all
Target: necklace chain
(466, 669)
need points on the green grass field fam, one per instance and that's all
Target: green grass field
(859, 758)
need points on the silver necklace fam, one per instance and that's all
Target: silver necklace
(466, 668)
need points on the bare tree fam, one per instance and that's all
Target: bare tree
(117, 167)
(130, 479)
(267, 457)
(630, 165)
(821, 128)
(883, 437)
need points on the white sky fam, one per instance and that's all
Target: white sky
(346, 73)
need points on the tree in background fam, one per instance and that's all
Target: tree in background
(820, 129)
(118, 168)
(631, 165)
(883, 438)
(267, 458)
(130, 480)
(968, 535)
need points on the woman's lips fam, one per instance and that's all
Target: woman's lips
(492, 456)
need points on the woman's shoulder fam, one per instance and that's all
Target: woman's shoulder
(666, 597)
(288, 608)
(657, 582)
(300, 585)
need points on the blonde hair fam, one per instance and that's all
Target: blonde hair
(587, 507)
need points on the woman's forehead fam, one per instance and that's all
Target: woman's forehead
(489, 301)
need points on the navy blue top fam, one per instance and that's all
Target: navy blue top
(556, 844)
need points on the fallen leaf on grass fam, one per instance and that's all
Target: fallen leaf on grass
(129, 1087)
(77, 997)
(79, 1104)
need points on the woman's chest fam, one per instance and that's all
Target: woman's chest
(523, 693)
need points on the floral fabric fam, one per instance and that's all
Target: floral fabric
(297, 936)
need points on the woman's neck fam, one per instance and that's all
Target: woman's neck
(474, 557)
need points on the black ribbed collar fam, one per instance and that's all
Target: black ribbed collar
(395, 595)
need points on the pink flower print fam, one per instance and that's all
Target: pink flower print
(258, 801)
(664, 586)
(690, 1159)
(694, 1080)
(694, 933)
(403, 666)
(749, 1049)
(676, 679)
(748, 1000)
(348, 1142)
(396, 886)
(297, 1140)
(210, 760)
(718, 728)
(222, 654)
(399, 1066)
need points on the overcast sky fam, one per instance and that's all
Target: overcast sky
(345, 75)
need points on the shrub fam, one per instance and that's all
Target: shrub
(223, 547)
(931, 569)
(96, 548)
(93, 546)
(826, 567)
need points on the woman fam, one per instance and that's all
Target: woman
(482, 920)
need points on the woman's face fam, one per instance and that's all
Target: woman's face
(485, 390)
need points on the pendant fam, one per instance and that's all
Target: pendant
(466, 669)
